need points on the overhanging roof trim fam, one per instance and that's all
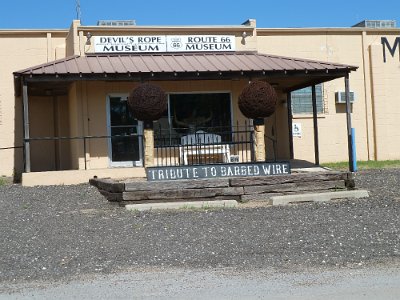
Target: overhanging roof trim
(179, 63)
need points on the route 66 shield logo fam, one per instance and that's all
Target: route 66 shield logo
(176, 43)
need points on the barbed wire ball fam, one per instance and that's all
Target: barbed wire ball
(258, 100)
(147, 102)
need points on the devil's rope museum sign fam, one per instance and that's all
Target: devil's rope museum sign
(164, 43)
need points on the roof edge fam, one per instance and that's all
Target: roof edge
(326, 29)
(158, 29)
(329, 65)
(28, 32)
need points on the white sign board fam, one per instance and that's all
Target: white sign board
(296, 129)
(162, 43)
(200, 43)
(129, 44)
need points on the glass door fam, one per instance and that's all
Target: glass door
(125, 144)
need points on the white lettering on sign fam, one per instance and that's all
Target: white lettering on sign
(220, 170)
(200, 43)
(162, 43)
(129, 44)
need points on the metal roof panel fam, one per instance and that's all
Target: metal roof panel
(179, 63)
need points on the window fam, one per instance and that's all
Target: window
(302, 100)
(188, 113)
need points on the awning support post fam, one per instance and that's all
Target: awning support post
(315, 121)
(290, 123)
(27, 149)
(350, 131)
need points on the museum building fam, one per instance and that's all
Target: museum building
(64, 113)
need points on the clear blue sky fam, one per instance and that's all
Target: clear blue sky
(281, 13)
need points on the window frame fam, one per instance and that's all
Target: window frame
(309, 110)
(228, 92)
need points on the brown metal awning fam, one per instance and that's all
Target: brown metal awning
(188, 66)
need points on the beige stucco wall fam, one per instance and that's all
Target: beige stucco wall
(331, 124)
(277, 131)
(374, 84)
(22, 49)
(49, 117)
(41, 120)
(78, 176)
(385, 79)
(76, 125)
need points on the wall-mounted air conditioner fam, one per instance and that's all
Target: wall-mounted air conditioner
(341, 97)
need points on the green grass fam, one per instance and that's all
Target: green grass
(192, 207)
(3, 181)
(364, 165)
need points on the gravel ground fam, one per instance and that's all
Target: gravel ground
(64, 232)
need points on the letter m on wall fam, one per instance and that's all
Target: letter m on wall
(392, 50)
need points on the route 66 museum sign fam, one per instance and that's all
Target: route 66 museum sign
(164, 43)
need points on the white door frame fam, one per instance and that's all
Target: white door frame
(116, 164)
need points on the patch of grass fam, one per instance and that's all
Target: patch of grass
(3, 181)
(25, 206)
(194, 208)
(137, 226)
(364, 165)
(204, 206)
(207, 207)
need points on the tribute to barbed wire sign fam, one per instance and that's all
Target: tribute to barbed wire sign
(218, 171)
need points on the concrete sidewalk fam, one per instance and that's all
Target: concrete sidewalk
(275, 200)
(337, 284)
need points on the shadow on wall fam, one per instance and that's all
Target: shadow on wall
(341, 108)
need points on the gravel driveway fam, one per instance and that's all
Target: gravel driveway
(64, 232)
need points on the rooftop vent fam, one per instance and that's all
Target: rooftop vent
(377, 24)
(116, 23)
